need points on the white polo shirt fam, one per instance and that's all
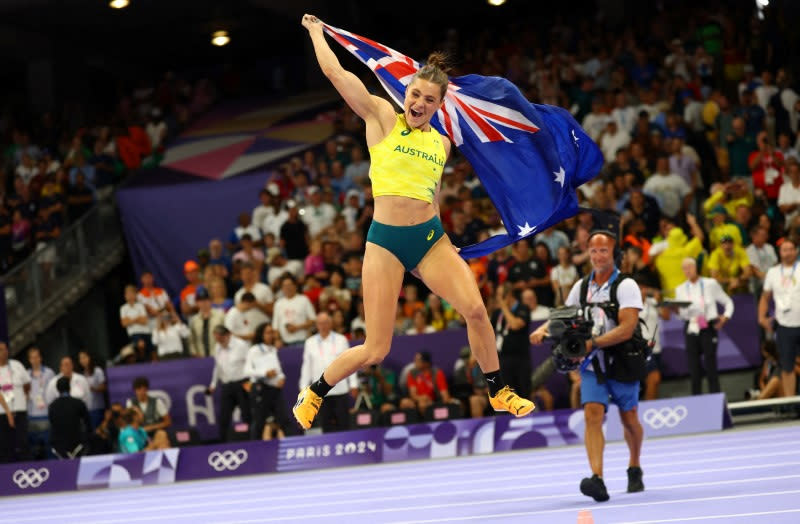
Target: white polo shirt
(128, 311)
(13, 377)
(78, 388)
(318, 353)
(784, 284)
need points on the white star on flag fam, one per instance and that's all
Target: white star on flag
(560, 175)
(526, 230)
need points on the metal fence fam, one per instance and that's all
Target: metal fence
(61, 271)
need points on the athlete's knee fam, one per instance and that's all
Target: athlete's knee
(376, 352)
(474, 312)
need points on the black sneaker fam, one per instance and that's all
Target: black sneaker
(635, 483)
(594, 487)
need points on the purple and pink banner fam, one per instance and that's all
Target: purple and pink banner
(448, 438)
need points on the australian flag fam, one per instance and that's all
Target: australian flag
(531, 158)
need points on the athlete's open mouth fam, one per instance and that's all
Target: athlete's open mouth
(415, 114)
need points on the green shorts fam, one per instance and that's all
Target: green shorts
(408, 243)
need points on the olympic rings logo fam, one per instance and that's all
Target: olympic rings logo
(30, 478)
(230, 460)
(665, 417)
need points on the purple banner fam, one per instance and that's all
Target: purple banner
(38, 477)
(674, 416)
(225, 460)
(347, 448)
(136, 469)
(539, 430)
(449, 438)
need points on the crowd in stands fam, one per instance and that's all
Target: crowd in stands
(55, 167)
(699, 134)
(699, 130)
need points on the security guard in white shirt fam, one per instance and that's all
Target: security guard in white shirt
(263, 368)
(782, 285)
(319, 351)
(703, 322)
(230, 355)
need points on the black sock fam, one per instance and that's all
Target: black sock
(495, 382)
(320, 387)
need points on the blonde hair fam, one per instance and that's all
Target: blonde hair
(435, 71)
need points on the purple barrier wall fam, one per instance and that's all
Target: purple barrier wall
(182, 383)
(448, 438)
(225, 460)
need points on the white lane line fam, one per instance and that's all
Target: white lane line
(595, 509)
(250, 501)
(714, 517)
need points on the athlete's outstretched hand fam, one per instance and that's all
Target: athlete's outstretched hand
(312, 23)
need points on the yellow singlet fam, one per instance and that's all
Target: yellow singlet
(408, 162)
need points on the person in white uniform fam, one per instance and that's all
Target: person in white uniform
(781, 285)
(703, 323)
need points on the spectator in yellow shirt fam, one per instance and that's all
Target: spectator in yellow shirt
(730, 196)
(720, 227)
(730, 266)
(668, 263)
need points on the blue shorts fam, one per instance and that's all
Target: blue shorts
(624, 394)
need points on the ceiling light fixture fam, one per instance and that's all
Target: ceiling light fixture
(496, 2)
(118, 4)
(220, 38)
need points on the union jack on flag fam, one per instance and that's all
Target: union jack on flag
(530, 158)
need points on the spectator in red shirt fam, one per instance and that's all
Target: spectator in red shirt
(426, 384)
(766, 164)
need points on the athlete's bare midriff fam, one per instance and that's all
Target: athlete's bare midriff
(402, 211)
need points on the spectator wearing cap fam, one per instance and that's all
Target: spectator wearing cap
(230, 354)
(245, 226)
(730, 266)
(280, 266)
(272, 221)
(317, 215)
(294, 235)
(242, 319)
(250, 284)
(720, 227)
(249, 253)
(671, 191)
(202, 325)
(703, 323)
(192, 272)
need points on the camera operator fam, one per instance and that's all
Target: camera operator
(610, 369)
